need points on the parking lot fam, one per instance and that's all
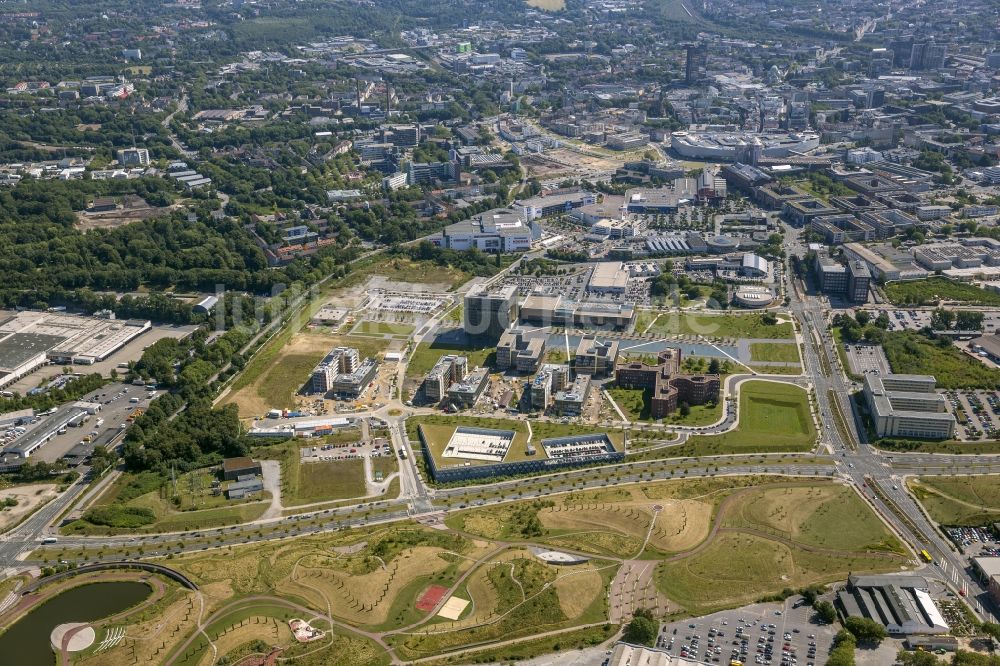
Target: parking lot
(116, 405)
(867, 359)
(977, 413)
(785, 634)
(975, 541)
(356, 450)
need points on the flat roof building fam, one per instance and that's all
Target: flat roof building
(608, 277)
(488, 313)
(669, 388)
(908, 406)
(902, 604)
(466, 392)
(596, 358)
(519, 352)
(447, 371)
(499, 231)
(571, 400)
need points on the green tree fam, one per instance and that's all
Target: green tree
(866, 630)
(642, 629)
(917, 658)
(825, 611)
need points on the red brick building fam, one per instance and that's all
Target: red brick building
(669, 387)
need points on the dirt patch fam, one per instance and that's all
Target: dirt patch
(28, 499)
(118, 218)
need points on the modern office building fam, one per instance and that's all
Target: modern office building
(553, 204)
(339, 360)
(572, 398)
(487, 314)
(466, 392)
(908, 406)
(448, 370)
(595, 358)
(518, 352)
(498, 231)
(696, 63)
(548, 381)
(547, 309)
(851, 279)
(668, 386)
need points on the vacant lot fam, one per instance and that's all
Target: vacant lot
(937, 289)
(774, 352)
(719, 326)
(274, 384)
(964, 500)
(773, 417)
(305, 483)
(910, 352)
(367, 327)
(147, 502)
(714, 579)
(548, 5)
(28, 498)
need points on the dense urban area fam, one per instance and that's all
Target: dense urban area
(584, 332)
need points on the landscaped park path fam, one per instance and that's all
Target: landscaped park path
(272, 601)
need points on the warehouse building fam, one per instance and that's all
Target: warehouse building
(608, 277)
(546, 309)
(902, 604)
(908, 406)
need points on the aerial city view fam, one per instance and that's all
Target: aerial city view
(444, 332)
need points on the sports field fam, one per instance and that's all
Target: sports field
(959, 500)
(773, 417)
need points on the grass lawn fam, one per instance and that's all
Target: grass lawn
(385, 464)
(714, 579)
(368, 327)
(636, 405)
(717, 326)
(936, 289)
(192, 506)
(332, 479)
(959, 500)
(427, 354)
(910, 352)
(774, 352)
(774, 417)
(305, 483)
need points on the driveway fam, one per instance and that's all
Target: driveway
(271, 471)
